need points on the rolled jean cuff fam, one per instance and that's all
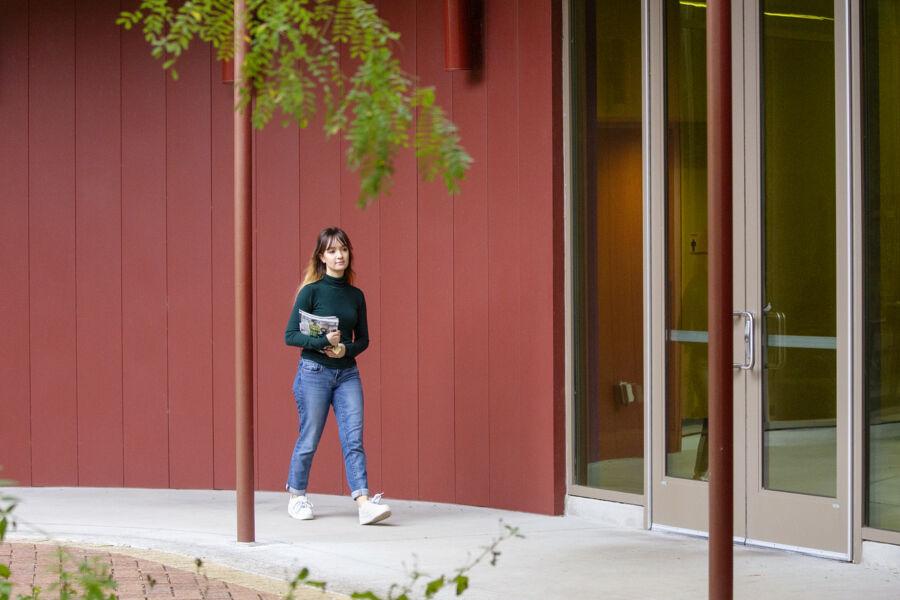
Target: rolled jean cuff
(295, 491)
(360, 492)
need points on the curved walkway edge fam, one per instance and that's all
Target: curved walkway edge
(559, 557)
(142, 574)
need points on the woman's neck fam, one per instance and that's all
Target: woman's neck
(338, 279)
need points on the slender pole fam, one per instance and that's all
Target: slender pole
(721, 377)
(243, 299)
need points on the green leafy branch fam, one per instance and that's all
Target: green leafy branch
(91, 580)
(302, 578)
(295, 65)
(458, 580)
(7, 506)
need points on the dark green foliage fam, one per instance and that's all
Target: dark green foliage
(297, 63)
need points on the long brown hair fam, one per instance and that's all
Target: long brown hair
(315, 268)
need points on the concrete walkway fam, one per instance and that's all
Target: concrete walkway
(560, 557)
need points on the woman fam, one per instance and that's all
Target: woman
(328, 376)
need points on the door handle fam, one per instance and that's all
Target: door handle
(749, 340)
(781, 331)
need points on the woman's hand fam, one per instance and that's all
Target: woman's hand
(333, 337)
(341, 351)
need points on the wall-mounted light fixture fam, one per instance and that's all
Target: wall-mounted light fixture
(457, 35)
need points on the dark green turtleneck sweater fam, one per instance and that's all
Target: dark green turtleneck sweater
(328, 297)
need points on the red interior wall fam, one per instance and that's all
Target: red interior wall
(116, 263)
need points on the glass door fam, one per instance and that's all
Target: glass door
(796, 204)
(790, 248)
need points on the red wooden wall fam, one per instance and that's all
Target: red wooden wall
(116, 266)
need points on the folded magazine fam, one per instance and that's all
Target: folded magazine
(316, 326)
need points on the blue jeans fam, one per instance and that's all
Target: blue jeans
(316, 388)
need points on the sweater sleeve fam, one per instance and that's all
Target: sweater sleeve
(361, 332)
(292, 335)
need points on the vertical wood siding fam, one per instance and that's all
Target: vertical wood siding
(117, 268)
(98, 245)
(145, 372)
(51, 243)
(436, 395)
(505, 321)
(471, 243)
(188, 272)
(15, 367)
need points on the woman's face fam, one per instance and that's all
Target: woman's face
(336, 258)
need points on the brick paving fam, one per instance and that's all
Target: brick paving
(136, 578)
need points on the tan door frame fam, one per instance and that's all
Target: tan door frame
(674, 496)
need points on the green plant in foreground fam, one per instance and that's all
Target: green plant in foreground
(458, 580)
(298, 59)
(7, 506)
(91, 579)
(302, 578)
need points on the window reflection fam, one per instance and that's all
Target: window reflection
(609, 422)
(799, 248)
(686, 242)
(881, 157)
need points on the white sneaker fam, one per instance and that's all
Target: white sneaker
(300, 507)
(373, 511)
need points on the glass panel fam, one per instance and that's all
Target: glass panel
(799, 285)
(881, 136)
(609, 423)
(686, 247)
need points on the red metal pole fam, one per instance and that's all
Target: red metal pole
(721, 376)
(457, 35)
(228, 71)
(243, 287)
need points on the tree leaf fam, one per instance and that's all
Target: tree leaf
(462, 584)
(434, 586)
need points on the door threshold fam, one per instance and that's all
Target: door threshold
(756, 543)
(841, 556)
(689, 532)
